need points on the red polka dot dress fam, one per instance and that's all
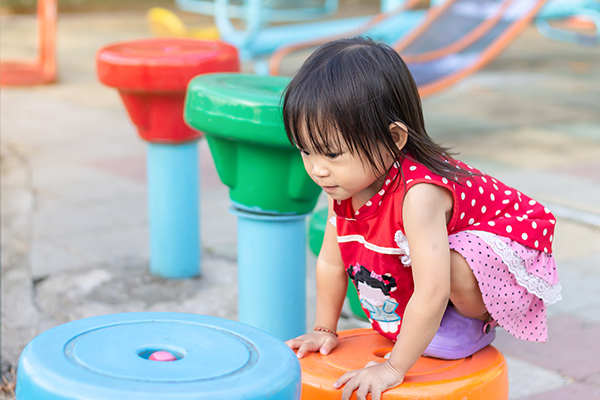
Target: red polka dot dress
(505, 237)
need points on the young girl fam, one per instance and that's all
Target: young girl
(439, 251)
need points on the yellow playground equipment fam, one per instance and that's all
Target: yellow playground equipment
(165, 23)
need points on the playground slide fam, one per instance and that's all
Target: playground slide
(436, 74)
(454, 40)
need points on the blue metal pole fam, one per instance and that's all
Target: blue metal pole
(173, 206)
(272, 272)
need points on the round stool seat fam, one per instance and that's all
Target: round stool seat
(162, 64)
(152, 76)
(242, 118)
(482, 376)
(108, 357)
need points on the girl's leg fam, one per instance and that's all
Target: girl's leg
(464, 289)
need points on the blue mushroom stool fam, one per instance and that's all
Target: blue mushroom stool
(108, 357)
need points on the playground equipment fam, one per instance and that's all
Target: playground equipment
(576, 14)
(257, 41)
(151, 76)
(43, 70)
(270, 191)
(455, 40)
(482, 376)
(165, 23)
(108, 357)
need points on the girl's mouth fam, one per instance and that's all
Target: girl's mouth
(329, 189)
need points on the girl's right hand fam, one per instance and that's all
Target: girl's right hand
(322, 342)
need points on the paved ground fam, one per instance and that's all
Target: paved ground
(74, 223)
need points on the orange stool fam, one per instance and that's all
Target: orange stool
(43, 70)
(482, 376)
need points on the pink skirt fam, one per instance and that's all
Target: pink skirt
(516, 282)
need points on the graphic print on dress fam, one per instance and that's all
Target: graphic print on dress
(374, 294)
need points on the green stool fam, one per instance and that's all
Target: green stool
(270, 190)
(316, 231)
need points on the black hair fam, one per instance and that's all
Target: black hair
(358, 87)
(364, 275)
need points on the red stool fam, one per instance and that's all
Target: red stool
(482, 376)
(152, 76)
(43, 70)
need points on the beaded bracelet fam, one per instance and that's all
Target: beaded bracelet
(322, 329)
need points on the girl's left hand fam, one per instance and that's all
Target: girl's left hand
(374, 378)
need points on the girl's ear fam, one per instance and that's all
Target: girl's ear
(399, 133)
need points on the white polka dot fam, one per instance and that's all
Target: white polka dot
(519, 219)
(396, 164)
(427, 177)
(505, 201)
(492, 197)
(382, 192)
(477, 224)
(516, 206)
(534, 225)
(524, 236)
(356, 213)
(445, 180)
(473, 203)
(462, 215)
(507, 192)
(495, 186)
(532, 202)
(462, 196)
(483, 209)
(545, 231)
(551, 237)
(529, 212)
(469, 184)
(380, 202)
(469, 166)
(491, 223)
(507, 215)
(525, 216)
(498, 212)
(483, 179)
(368, 203)
(412, 168)
(471, 221)
(409, 181)
(480, 190)
(552, 221)
(508, 228)
(339, 202)
(546, 210)
(536, 244)
(387, 182)
(495, 181)
(545, 249)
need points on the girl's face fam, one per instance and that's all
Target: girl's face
(343, 175)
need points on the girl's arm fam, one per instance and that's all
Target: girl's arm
(332, 282)
(426, 210)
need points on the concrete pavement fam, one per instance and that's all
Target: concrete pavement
(74, 217)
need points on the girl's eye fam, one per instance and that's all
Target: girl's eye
(304, 153)
(333, 155)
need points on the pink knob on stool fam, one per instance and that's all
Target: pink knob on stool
(152, 77)
(162, 355)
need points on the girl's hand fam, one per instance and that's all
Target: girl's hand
(374, 378)
(323, 342)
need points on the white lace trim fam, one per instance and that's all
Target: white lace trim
(550, 294)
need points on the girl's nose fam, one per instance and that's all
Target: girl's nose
(319, 170)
